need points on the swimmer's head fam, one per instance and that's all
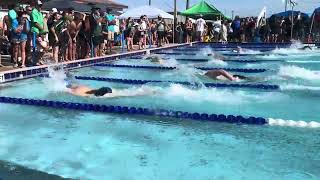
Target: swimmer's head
(100, 92)
(210, 54)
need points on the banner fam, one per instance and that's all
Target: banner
(263, 14)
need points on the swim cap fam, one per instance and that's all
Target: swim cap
(100, 92)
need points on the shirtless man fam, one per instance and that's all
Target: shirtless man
(74, 28)
(222, 74)
(85, 91)
(154, 59)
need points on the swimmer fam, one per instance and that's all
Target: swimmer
(238, 50)
(155, 59)
(222, 75)
(85, 91)
(305, 48)
(217, 56)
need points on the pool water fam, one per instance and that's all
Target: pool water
(84, 145)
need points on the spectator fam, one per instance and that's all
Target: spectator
(24, 23)
(161, 29)
(236, 26)
(217, 29)
(54, 25)
(129, 33)
(37, 23)
(15, 33)
(224, 32)
(111, 22)
(96, 32)
(153, 30)
(201, 23)
(180, 33)
(189, 30)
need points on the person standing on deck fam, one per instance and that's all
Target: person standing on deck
(201, 23)
(54, 33)
(189, 30)
(111, 22)
(37, 29)
(161, 29)
(96, 32)
(74, 28)
(14, 32)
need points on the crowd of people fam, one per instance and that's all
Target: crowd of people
(68, 35)
(274, 29)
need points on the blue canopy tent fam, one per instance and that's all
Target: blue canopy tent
(289, 13)
(317, 10)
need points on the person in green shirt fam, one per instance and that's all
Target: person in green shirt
(37, 29)
(37, 19)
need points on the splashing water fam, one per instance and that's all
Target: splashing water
(56, 82)
(299, 87)
(294, 49)
(249, 51)
(298, 72)
(213, 95)
(170, 62)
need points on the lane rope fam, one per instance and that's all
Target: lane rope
(172, 68)
(211, 85)
(159, 113)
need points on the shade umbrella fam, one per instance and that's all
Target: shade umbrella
(203, 8)
(149, 11)
(10, 2)
(82, 5)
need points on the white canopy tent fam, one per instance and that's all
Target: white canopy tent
(149, 11)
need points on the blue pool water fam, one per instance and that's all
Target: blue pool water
(86, 145)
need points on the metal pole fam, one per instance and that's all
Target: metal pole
(174, 20)
(232, 12)
(187, 4)
(286, 5)
(292, 22)
(149, 2)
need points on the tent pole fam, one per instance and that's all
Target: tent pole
(174, 21)
(292, 22)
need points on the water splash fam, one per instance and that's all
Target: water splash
(213, 95)
(56, 82)
(291, 123)
(299, 87)
(298, 72)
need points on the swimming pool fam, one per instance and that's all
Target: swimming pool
(91, 145)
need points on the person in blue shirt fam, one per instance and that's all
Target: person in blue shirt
(24, 23)
(236, 25)
(16, 30)
(111, 22)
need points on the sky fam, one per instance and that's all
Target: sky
(240, 7)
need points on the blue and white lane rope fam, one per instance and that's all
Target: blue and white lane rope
(172, 68)
(159, 113)
(206, 60)
(209, 85)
